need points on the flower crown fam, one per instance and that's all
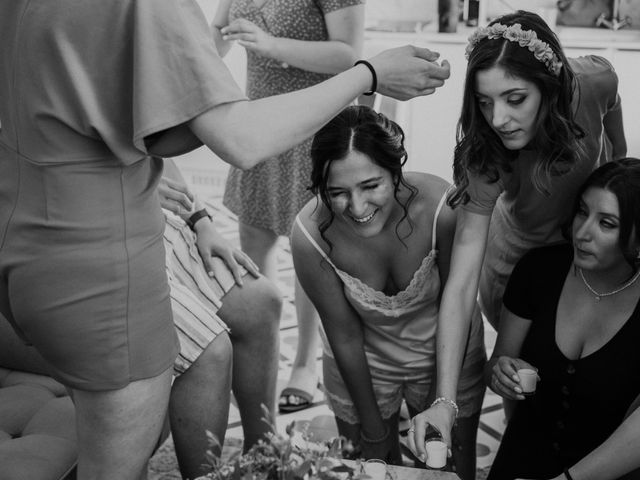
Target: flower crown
(525, 38)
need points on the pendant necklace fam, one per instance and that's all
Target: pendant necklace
(598, 295)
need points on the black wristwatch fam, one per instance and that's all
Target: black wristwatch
(193, 219)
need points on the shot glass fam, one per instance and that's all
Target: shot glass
(528, 380)
(436, 456)
(376, 469)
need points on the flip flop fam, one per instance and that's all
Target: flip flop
(305, 400)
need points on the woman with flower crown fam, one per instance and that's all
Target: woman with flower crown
(533, 125)
(572, 313)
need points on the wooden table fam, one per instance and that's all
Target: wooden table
(407, 473)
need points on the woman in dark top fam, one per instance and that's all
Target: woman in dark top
(572, 312)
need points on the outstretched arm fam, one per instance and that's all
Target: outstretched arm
(247, 132)
(345, 29)
(456, 308)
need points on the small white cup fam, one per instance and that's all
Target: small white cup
(528, 380)
(436, 453)
(376, 469)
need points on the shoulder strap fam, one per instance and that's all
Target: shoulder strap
(435, 219)
(311, 240)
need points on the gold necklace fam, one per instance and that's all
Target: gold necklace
(598, 295)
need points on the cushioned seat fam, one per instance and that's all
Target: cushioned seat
(37, 419)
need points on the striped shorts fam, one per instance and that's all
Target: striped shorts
(195, 297)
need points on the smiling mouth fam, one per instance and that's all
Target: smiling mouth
(364, 219)
(508, 133)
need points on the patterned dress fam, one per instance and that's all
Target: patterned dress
(271, 194)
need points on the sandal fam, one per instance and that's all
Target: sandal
(294, 399)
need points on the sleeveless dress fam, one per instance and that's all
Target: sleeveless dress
(399, 343)
(270, 194)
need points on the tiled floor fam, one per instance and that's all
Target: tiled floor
(209, 183)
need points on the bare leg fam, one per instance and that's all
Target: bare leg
(252, 312)
(118, 429)
(261, 245)
(199, 402)
(303, 374)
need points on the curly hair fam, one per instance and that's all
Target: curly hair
(360, 128)
(479, 150)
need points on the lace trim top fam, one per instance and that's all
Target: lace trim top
(399, 330)
(389, 305)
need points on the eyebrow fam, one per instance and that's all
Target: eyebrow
(583, 204)
(364, 182)
(506, 92)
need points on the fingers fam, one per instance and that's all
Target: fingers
(426, 54)
(505, 381)
(240, 29)
(175, 197)
(246, 261)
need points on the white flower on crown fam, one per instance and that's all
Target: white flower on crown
(525, 38)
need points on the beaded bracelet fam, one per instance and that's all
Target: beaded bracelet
(448, 401)
(567, 474)
(381, 439)
(374, 82)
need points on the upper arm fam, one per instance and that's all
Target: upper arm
(445, 231)
(467, 254)
(324, 289)
(347, 25)
(511, 334)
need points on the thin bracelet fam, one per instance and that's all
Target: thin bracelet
(381, 439)
(567, 474)
(374, 83)
(448, 401)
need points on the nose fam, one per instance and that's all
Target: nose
(582, 229)
(358, 205)
(499, 115)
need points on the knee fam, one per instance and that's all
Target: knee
(216, 357)
(270, 302)
(256, 313)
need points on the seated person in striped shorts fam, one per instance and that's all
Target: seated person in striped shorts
(227, 324)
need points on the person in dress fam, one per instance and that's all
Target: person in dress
(290, 45)
(372, 251)
(572, 312)
(533, 125)
(91, 93)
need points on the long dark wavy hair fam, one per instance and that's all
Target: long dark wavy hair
(360, 128)
(622, 178)
(479, 150)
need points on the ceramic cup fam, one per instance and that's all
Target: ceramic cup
(376, 469)
(436, 453)
(528, 380)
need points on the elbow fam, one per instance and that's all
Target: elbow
(246, 158)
